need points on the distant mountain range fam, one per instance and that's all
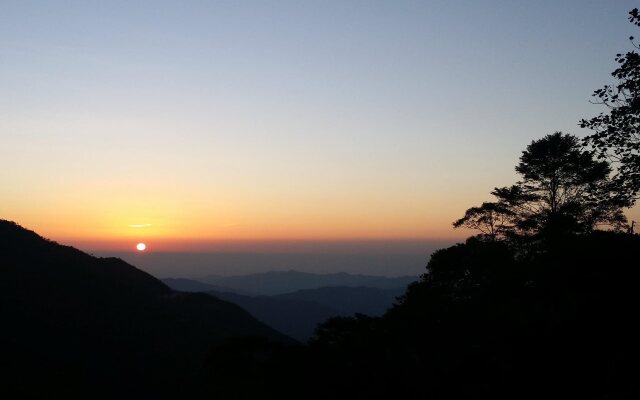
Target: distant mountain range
(280, 282)
(78, 324)
(191, 285)
(298, 314)
(298, 311)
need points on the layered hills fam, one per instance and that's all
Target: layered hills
(298, 312)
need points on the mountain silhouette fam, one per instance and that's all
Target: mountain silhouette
(297, 318)
(349, 300)
(191, 285)
(298, 313)
(74, 323)
(281, 282)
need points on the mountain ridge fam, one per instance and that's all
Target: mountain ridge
(281, 282)
(71, 320)
(298, 313)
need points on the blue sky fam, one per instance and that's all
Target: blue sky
(325, 119)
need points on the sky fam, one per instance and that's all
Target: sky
(209, 125)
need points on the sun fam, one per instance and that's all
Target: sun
(141, 247)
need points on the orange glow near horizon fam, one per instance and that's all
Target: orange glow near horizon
(102, 219)
(105, 219)
(284, 135)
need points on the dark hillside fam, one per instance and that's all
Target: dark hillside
(73, 322)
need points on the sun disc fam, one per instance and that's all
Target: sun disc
(141, 246)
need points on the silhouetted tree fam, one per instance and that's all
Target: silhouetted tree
(563, 190)
(492, 219)
(616, 134)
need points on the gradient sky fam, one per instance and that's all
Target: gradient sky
(189, 122)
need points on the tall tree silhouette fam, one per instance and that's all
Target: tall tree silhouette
(616, 133)
(563, 190)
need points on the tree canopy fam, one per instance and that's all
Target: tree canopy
(616, 133)
(563, 189)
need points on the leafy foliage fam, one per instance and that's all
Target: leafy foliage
(616, 134)
(563, 190)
